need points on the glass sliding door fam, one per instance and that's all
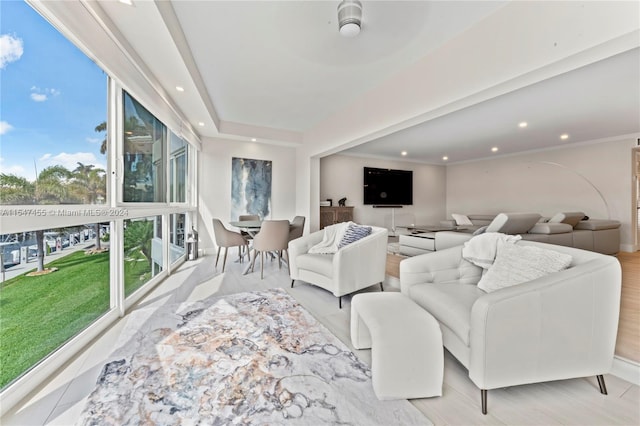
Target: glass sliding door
(142, 251)
(178, 149)
(145, 141)
(177, 236)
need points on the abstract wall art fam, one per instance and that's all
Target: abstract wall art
(250, 187)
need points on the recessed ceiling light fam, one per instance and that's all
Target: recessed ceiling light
(445, 158)
(494, 149)
(180, 88)
(564, 136)
(253, 139)
(522, 124)
(200, 123)
(403, 153)
(127, 2)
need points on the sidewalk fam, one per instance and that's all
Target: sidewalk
(19, 269)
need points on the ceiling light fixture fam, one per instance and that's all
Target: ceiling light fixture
(201, 124)
(180, 88)
(494, 149)
(253, 139)
(445, 158)
(127, 2)
(564, 136)
(349, 17)
(403, 153)
(522, 124)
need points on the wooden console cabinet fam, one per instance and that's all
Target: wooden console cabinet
(333, 215)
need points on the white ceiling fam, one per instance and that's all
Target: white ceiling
(282, 65)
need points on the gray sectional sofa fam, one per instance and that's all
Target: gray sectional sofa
(564, 229)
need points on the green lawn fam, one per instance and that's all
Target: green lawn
(39, 314)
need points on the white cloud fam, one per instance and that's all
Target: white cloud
(12, 170)
(38, 97)
(94, 140)
(5, 127)
(41, 95)
(10, 49)
(15, 169)
(70, 161)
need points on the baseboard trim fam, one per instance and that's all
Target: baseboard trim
(630, 248)
(626, 370)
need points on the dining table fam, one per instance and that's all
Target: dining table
(251, 227)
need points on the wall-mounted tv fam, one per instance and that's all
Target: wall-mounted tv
(388, 187)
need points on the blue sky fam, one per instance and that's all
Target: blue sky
(52, 96)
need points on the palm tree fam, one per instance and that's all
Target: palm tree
(51, 186)
(137, 239)
(83, 169)
(88, 184)
(102, 127)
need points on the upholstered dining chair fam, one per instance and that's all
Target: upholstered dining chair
(273, 236)
(226, 238)
(297, 227)
(244, 217)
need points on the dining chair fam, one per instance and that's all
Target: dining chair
(273, 236)
(244, 217)
(226, 238)
(297, 227)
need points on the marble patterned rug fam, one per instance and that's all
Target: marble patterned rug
(248, 358)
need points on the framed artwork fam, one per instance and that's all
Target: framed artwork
(250, 187)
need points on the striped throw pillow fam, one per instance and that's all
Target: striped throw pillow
(354, 233)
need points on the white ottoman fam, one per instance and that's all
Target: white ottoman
(407, 356)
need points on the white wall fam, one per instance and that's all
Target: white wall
(551, 181)
(215, 181)
(342, 176)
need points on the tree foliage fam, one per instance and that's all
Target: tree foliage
(86, 184)
(137, 238)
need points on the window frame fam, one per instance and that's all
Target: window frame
(114, 211)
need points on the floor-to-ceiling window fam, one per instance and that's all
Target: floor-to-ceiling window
(90, 218)
(145, 144)
(56, 278)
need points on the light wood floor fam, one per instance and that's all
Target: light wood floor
(628, 343)
(569, 402)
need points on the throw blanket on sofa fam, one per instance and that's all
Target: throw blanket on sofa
(481, 249)
(332, 236)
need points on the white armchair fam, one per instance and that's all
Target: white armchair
(356, 266)
(556, 327)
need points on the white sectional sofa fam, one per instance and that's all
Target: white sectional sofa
(559, 326)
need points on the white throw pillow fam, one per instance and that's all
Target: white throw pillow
(461, 220)
(571, 218)
(331, 238)
(516, 264)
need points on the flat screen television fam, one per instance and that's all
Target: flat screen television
(388, 187)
